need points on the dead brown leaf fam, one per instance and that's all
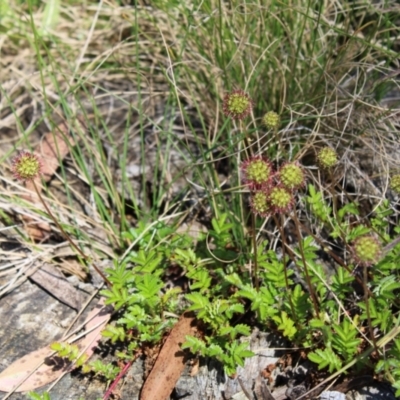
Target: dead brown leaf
(53, 148)
(21, 369)
(41, 367)
(170, 362)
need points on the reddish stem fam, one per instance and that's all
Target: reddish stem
(117, 379)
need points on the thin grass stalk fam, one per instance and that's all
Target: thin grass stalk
(67, 237)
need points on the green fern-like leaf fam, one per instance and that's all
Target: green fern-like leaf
(117, 296)
(318, 277)
(194, 344)
(387, 286)
(350, 208)
(214, 350)
(65, 350)
(359, 230)
(380, 313)
(134, 317)
(286, 325)
(274, 270)
(300, 303)
(199, 303)
(37, 396)
(263, 302)
(233, 332)
(147, 261)
(381, 221)
(235, 308)
(345, 339)
(326, 358)
(309, 249)
(115, 333)
(109, 371)
(186, 258)
(242, 329)
(149, 286)
(238, 352)
(317, 205)
(120, 276)
(202, 279)
(234, 279)
(341, 282)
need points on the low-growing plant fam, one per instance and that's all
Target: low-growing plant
(233, 283)
(223, 295)
(107, 371)
(284, 250)
(69, 351)
(38, 396)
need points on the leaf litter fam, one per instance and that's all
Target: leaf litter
(170, 362)
(41, 367)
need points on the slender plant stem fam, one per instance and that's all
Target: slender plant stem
(367, 310)
(299, 238)
(123, 371)
(279, 224)
(84, 256)
(248, 148)
(255, 269)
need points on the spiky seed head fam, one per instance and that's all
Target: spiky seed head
(271, 120)
(260, 204)
(258, 172)
(237, 104)
(327, 157)
(281, 199)
(366, 250)
(26, 166)
(395, 183)
(292, 176)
